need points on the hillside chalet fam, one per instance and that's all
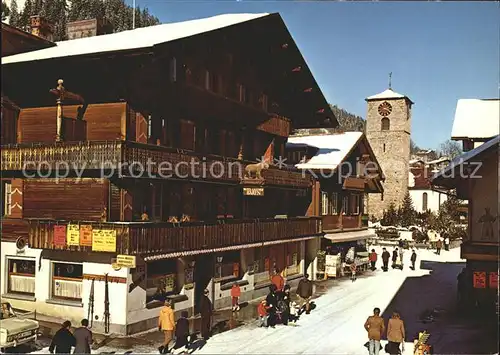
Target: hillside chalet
(143, 179)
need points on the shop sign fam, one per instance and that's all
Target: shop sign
(86, 235)
(104, 240)
(479, 279)
(253, 191)
(125, 261)
(59, 236)
(493, 279)
(73, 234)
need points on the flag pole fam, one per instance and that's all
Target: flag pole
(133, 15)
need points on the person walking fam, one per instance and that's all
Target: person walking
(395, 334)
(439, 245)
(182, 331)
(272, 304)
(262, 311)
(287, 299)
(385, 259)
(235, 296)
(401, 254)
(206, 315)
(166, 324)
(83, 338)
(352, 267)
(375, 327)
(305, 291)
(63, 340)
(446, 242)
(394, 257)
(373, 259)
(413, 259)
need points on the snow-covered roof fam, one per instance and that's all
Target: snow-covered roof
(437, 161)
(464, 158)
(333, 148)
(387, 94)
(476, 118)
(133, 39)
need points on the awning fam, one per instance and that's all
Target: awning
(349, 236)
(232, 247)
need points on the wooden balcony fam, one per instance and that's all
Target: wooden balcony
(342, 222)
(154, 238)
(131, 159)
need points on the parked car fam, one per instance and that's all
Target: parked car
(16, 329)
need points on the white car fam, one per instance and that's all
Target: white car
(16, 330)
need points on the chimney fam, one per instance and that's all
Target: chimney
(42, 28)
(89, 28)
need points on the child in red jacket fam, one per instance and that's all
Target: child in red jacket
(263, 315)
(235, 296)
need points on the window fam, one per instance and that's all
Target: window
(262, 261)
(207, 80)
(173, 70)
(386, 124)
(356, 203)
(241, 93)
(424, 201)
(384, 148)
(7, 198)
(67, 281)
(345, 204)
(334, 197)
(21, 276)
(161, 279)
(324, 203)
(227, 265)
(263, 101)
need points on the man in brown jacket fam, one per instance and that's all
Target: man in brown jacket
(305, 291)
(375, 327)
(395, 333)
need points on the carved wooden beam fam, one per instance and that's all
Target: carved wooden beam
(61, 94)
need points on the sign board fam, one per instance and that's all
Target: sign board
(104, 240)
(493, 279)
(86, 235)
(332, 263)
(253, 191)
(59, 236)
(479, 279)
(125, 261)
(73, 234)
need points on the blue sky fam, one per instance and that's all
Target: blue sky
(438, 52)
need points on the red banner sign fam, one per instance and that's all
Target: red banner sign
(86, 235)
(493, 279)
(479, 279)
(60, 236)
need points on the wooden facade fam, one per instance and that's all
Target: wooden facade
(166, 135)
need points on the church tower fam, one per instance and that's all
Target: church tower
(388, 127)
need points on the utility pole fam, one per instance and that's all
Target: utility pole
(133, 15)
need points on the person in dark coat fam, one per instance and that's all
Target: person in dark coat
(305, 291)
(63, 340)
(83, 338)
(272, 304)
(413, 259)
(182, 331)
(439, 245)
(287, 299)
(394, 257)
(206, 315)
(385, 259)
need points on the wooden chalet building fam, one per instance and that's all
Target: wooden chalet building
(345, 170)
(475, 176)
(138, 185)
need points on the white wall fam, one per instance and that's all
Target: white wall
(434, 199)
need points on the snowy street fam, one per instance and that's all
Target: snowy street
(336, 325)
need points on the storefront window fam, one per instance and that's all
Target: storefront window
(21, 276)
(67, 281)
(161, 280)
(227, 265)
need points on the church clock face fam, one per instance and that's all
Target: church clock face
(384, 109)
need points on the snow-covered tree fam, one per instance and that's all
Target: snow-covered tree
(5, 11)
(14, 14)
(406, 213)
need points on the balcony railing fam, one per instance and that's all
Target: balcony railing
(136, 159)
(150, 238)
(340, 222)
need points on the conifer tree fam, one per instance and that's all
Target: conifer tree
(407, 213)
(390, 217)
(5, 11)
(14, 14)
(24, 18)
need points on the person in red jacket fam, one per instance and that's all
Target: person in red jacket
(373, 259)
(278, 281)
(262, 312)
(235, 296)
